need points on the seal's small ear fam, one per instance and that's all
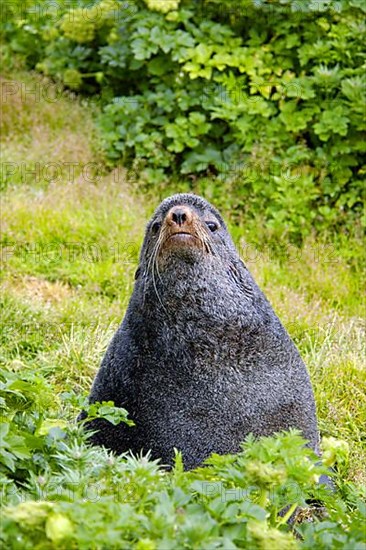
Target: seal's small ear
(137, 273)
(234, 273)
(239, 278)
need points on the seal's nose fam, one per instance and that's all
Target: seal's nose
(179, 215)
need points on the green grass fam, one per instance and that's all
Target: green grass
(70, 249)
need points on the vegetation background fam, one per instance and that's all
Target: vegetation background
(107, 107)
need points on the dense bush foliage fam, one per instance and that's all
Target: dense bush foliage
(59, 492)
(268, 97)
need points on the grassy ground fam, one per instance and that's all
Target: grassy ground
(69, 250)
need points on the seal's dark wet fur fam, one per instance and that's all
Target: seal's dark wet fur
(200, 360)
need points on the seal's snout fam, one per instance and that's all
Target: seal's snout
(180, 224)
(184, 232)
(181, 228)
(180, 216)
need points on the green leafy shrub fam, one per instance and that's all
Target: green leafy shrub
(58, 492)
(28, 430)
(266, 97)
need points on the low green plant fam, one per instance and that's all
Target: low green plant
(59, 492)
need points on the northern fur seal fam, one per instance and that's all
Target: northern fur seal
(200, 359)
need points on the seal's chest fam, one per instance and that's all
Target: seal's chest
(198, 345)
(199, 412)
(194, 389)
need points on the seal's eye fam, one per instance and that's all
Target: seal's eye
(212, 226)
(155, 227)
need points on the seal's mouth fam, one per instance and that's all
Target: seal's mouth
(181, 236)
(180, 240)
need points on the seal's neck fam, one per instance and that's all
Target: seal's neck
(207, 291)
(198, 312)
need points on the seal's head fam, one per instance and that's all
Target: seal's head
(185, 228)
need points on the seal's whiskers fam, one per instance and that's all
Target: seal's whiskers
(150, 265)
(154, 265)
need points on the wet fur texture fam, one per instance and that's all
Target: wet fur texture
(200, 359)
